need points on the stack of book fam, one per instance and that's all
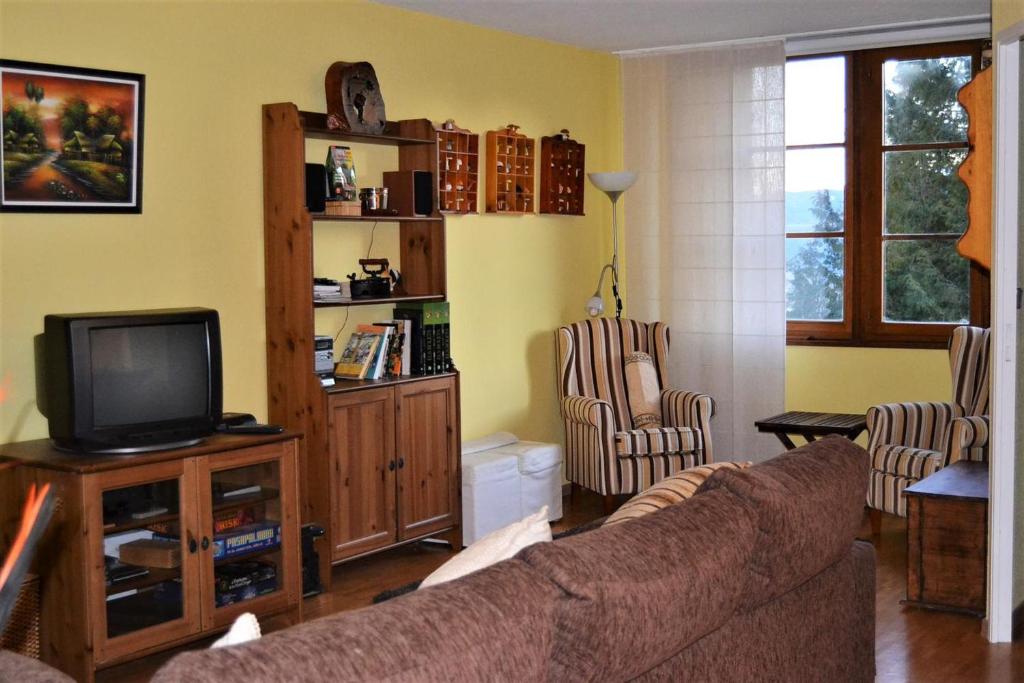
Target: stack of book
(375, 351)
(326, 290)
(430, 336)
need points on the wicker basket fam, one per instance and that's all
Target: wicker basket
(22, 632)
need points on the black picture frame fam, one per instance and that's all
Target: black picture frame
(75, 142)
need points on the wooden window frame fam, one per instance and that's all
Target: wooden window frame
(862, 323)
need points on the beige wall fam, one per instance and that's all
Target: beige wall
(209, 66)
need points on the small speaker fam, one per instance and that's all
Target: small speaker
(316, 188)
(411, 193)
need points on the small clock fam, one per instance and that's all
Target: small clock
(354, 99)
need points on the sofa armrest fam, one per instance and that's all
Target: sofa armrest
(922, 425)
(969, 434)
(588, 411)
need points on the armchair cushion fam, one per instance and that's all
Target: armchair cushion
(904, 461)
(643, 391)
(657, 441)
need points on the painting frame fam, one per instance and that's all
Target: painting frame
(91, 171)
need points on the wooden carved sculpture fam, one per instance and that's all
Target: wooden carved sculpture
(976, 170)
(354, 100)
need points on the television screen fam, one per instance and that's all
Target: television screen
(149, 373)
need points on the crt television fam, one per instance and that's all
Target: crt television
(132, 381)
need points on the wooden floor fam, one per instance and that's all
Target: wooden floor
(911, 644)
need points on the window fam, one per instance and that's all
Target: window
(874, 205)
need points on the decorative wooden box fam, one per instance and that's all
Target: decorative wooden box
(562, 175)
(458, 164)
(510, 181)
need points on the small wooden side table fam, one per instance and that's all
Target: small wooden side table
(947, 539)
(812, 425)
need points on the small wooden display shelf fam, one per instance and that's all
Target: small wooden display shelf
(510, 181)
(562, 176)
(458, 165)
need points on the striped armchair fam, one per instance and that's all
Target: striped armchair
(909, 441)
(604, 453)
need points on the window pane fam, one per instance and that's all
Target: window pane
(816, 101)
(923, 192)
(814, 278)
(815, 179)
(919, 100)
(926, 281)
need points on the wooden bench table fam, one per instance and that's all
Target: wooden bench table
(811, 425)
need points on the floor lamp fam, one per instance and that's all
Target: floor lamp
(613, 185)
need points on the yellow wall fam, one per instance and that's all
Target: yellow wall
(850, 380)
(209, 66)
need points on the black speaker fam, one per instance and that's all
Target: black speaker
(411, 193)
(316, 188)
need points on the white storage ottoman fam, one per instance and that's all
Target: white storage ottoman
(505, 479)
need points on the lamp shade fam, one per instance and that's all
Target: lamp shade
(613, 182)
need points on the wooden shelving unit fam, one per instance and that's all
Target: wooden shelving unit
(510, 178)
(295, 396)
(562, 175)
(458, 162)
(87, 625)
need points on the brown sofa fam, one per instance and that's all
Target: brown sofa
(758, 577)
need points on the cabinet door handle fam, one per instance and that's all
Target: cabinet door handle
(401, 463)
(191, 544)
(206, 543)
(391, 465)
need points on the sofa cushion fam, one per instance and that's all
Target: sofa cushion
(639, 592)
(657, 441)
(20, 669)
(669, 491)
(808, 505)
(496, 620)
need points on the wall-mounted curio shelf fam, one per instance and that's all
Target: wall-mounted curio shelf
(562, 175)
(458, 166)
(510, 184)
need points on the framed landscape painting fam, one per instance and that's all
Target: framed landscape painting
(72, 139)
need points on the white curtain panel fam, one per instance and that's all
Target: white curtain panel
(705, 227)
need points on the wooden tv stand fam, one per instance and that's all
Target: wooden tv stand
(90, 622)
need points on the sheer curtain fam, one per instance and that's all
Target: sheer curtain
(705, 227)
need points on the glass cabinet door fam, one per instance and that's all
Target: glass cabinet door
(249, 532)
(148, 575)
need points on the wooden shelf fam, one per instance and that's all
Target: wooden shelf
(510, 178)
(225, 505)
(378, 301)
(130, 524)
(155, 576)
(241, 557)
(314, 124)
(376, 219)
(562, 175)
(343, 385)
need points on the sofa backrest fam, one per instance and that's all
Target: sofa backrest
(496, 620)
(638, 592)
(808, 505)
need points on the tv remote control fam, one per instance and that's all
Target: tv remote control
(251, 429)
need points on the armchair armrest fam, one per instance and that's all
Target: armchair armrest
(690, 409)
(588, 411)
(922, 425)
(969, 439)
